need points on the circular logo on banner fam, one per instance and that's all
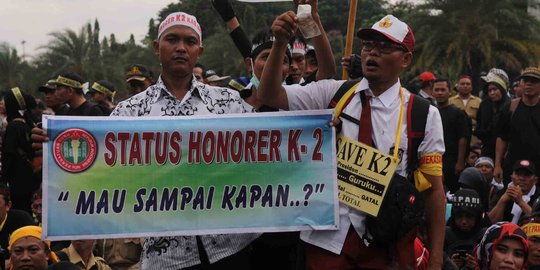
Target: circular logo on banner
(74, 150)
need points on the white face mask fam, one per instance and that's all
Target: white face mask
(254, 80)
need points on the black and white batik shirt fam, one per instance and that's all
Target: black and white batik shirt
(177, 252)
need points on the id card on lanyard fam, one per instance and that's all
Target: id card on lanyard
(364, 173)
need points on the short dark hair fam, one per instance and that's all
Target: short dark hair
(448, 83)
(4, 190)
(262, 40)
(200, 66)
(424, 84)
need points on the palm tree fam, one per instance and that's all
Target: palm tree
(471, 36)
(70, 50)
(10, 66)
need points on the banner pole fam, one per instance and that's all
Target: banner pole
(350, 33)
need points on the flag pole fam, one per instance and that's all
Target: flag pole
(350, 34)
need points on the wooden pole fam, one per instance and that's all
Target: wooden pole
(350, 34)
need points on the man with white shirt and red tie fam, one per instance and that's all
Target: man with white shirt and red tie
(387, 51)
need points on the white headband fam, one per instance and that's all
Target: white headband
(299, 47)
(180, 18)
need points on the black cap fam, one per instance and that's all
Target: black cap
(137, 72)
(70, 79)
(525, 165)
(466, 200)
(209, 73)
(103, 86)
(471, 178)
(49, 86)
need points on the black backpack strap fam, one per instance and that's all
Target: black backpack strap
(340, 92)
(417, 113)
(346, 86)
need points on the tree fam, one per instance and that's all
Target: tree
(219, 51)
(10, 66)
(470, 36)
(69, 50)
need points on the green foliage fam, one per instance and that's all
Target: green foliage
(81, 52)
(453, 37)
(10, 66)
(220, 52)
(470, 36)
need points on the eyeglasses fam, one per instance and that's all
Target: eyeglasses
(383, 46)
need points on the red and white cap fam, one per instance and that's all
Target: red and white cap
(391, 28)
(180, 18)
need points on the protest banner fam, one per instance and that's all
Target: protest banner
(108, 177)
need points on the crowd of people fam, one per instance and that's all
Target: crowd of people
(474, 158)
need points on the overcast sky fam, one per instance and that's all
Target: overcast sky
(32, 20)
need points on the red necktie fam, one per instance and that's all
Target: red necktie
(364, 134)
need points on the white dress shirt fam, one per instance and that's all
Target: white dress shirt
(384, 116)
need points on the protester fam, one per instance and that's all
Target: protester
(138, 78)
(298, 61)
(427, 80)
(69, 90)
(519, 130)
(37, 204)
(485, 166)
(504, 246)
(311, 63)
(211, 78)
(80, 253)
(474, 154)
(39, 111)
(102, 93)
(177, 92)
(18, 169)
(517, 88)
(491, 110)
(471, 178)
(28, 251)
(323, 51)
(387, 50)
(466, 101)
(11, 219)
(456, 132)
(531, 226)
(516, 200)
(353, 65)
(51, 100)
(198, 72)
(262, 42)
(120, 254)
(465, 228)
